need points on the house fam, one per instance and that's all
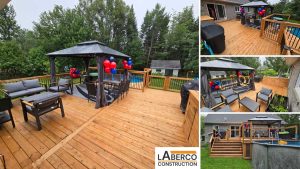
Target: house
(232, 122)
(165, 67)
(294, 83)
(221, 9)
(217, 74)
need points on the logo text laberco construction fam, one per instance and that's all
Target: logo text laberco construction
(177, 157)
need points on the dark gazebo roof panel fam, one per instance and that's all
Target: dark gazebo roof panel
(223, 64)
(88, 49)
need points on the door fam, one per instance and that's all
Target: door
(217, 11)
(221, 12)
(168, 72)
(235, 131)
(212, 11)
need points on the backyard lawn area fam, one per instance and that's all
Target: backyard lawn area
(222, 162)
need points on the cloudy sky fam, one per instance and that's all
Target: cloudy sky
(28, 11)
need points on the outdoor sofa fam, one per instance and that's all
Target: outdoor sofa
(265, 95)
(229, 96)
(22, 88)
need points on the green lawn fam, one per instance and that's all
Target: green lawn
(222, 162)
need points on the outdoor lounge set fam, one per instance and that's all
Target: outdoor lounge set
(230, 91)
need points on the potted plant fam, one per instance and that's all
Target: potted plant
(278, 104)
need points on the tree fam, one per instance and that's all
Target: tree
(8, 25)
(181, 41)
(276, 63)
(153, 32)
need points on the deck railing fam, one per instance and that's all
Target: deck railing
(166, 82)
(282, 32)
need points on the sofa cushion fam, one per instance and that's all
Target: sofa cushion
(14, 87)
(31, 83)
(263, 97)
(266, 91)
(36, 90)
(19, 94)
(232, 98)
(61, 88)
(63, 81)
(227, 93)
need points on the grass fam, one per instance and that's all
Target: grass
(175, 84)
(222, 162)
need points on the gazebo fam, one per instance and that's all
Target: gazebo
(222, 64)
(88, 50)
(256, 5)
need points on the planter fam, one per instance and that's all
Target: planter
(278, 104)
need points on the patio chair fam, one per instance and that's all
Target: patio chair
(218, 100)
(6, 105)
(41, 107)
(265, 95)
(229, 96)
(92, 91)
(63, 85)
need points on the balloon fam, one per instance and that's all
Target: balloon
(264, 10)
(124, 62)
(129, 58)
(107, 70)
(113, 65)
(211, 83)
(106, 63)
(129, 62)
(217, 87)
(259, 9)
(129, 66)
(113, 71)
(111, 58)
(126, 66)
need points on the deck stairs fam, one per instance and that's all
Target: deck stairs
(227, 148)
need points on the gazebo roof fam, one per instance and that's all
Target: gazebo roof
(88, 49)
(264, 120)
(255, 4)
(224, 64)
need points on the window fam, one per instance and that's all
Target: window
(235, 131)
(158, 70)
(237, 9)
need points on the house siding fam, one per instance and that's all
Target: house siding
(229, 9)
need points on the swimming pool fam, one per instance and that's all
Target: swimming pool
(275, 142)
(295, 31)
(268, 155)
(136, 79)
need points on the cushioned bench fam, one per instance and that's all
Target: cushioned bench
(23, 88)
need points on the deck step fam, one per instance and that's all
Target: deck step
(226, 152)
(225, 155)
(226, 149)
(222, 144)
(227, 146)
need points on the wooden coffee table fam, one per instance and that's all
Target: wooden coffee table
(250, 104)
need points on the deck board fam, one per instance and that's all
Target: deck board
(243, 40)
(122, 135)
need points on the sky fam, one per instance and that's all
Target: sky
(28, 11)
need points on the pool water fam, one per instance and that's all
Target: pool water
(136, 79)
(295, 31)
(289, 143)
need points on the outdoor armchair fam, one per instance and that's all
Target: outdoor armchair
(229, 96)
(63, 85)
(265, 95)
(6, 105)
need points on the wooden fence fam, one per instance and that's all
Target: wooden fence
(282, 32)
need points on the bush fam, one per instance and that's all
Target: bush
(269, 72)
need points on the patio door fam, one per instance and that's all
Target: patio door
(235, 131)
(217, 11)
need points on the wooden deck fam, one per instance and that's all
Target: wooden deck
(122, 135)
(243, 40)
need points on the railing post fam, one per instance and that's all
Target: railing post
(167, 83)
(283, 26)
(262, 27)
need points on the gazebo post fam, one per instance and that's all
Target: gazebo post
(52, 69)
(100, 97)
(238, 78)
(86, 64)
